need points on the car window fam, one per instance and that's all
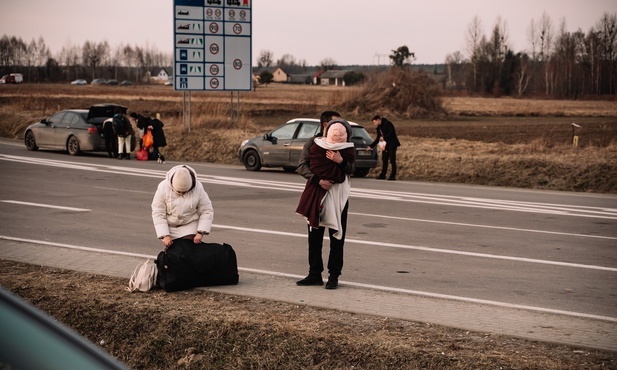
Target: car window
(308, 130)
(71, 119)
(360, 132)
(286, 131)
(57, 118)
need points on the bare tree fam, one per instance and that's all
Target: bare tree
(473, 39)
(454, 63)
(606, 29)
(265, 58)
(523, 75)
(287, 63)
(69, 56)
(94, 54)
(327, 64)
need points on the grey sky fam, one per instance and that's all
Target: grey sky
(348, 31)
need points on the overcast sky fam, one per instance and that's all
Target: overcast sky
(348, 31)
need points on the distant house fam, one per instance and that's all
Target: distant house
(161, 76)
(277, 72)
(333, 77)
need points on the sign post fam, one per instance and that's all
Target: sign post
(212, 46)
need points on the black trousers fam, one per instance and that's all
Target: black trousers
(388, 155)
(315, 245)
(111, 144)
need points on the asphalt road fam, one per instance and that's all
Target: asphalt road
(554, 251)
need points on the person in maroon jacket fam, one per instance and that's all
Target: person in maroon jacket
(316, 234)
(385, 130)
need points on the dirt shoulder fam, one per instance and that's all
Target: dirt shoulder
(201, 329)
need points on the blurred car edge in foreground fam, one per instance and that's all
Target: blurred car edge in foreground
(73, 130)
(282, 147)
(30, 339)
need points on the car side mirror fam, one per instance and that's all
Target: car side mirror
(44, 121)
(270, 138)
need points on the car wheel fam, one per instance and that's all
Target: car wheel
(360, 172)
(30, 141)
(72, 146)
(252, 161)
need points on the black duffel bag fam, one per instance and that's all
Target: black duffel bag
(186, 265)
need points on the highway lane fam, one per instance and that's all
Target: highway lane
(550, 250)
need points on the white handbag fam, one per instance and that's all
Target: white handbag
(144, 277)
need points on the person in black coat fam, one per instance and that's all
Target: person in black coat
(386, 131)
(111, 142)
(158, 135)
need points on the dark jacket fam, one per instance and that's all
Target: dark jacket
(304, 168)
(157, 129)
(386, 129)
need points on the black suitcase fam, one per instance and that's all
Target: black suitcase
(186, 265)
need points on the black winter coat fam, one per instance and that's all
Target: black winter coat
(386, 129)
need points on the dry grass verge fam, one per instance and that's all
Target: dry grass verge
(499, 142)
(198, 329)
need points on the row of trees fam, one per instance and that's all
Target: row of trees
(558, 63)
(561, 64)
(90, 60)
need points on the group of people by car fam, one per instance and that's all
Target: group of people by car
(181, 207)
(121, 136)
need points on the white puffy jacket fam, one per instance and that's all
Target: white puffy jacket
(178, 215)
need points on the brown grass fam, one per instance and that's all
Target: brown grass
(499, 142)
(198, 329)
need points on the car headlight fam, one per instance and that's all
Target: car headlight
(244, 143)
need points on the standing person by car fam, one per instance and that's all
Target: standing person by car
(124, 132)
(316, 235)
(386, 131)
(319, 206)
(111, 141)
(156, 126)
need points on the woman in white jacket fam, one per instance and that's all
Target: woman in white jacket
(181, 207)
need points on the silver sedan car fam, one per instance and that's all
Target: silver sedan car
(73, 130)
(282, 147)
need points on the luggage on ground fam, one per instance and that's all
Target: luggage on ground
(186, 265)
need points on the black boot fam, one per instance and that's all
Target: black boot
(310, 280)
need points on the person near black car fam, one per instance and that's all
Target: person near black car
(386, 131)
(156, 126)
(124, 132)
(111, 141)
(316, 234)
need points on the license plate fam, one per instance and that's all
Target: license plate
(364, 153)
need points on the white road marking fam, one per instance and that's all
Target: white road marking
(428, 249)
(372, 215)
(453, 201)
(46, 206)
(359, 285)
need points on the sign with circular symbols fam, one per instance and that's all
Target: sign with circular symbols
(212, 45)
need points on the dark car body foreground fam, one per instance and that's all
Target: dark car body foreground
(73, 130)
(282, 147)
(30, 339)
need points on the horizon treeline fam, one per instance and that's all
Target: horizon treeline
(558, 63)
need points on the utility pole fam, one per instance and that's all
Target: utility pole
(379, 56)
